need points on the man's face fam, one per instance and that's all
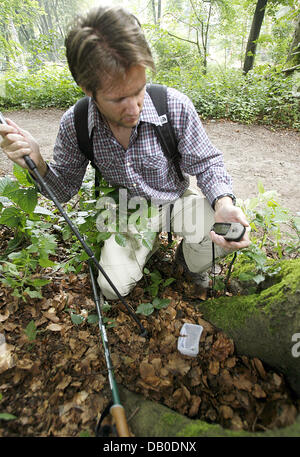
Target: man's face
(121, 98)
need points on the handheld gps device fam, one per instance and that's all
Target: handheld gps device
(231, 231)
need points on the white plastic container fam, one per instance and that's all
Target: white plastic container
(188, 341)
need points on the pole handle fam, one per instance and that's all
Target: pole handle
(30, 163)
(118, 413)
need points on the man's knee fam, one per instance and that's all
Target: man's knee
(124, 287)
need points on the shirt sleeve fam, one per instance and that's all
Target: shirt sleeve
(65, 174)
(199, 157)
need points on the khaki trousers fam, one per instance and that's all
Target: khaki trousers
(192, 218)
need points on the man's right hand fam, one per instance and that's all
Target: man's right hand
(17, 143)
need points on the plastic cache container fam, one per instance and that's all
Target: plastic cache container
(188, 341)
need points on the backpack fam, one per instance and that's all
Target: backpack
(165, 132)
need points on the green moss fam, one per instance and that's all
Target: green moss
(201, 428)
(169, 419)
(232, 312)
(288, 280)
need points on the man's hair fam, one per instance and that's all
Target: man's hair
(107, 41)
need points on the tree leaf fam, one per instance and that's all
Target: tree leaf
(31, 331)
(103, 236)
(93, 319)
(258, 278)
(54, 327)
(41, 210)
(168, 281)
(76, 319)
(26, 199)
(145, 308)
(7, 416)
(10, 217)
(7, 187)
(160, 303)
(22, 175)
(148, 239)
(120, 239)
(33, 293)
(246, 276)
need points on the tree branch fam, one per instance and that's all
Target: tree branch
(183, 39)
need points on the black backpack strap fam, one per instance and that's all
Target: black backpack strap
(85, 143)
(165, 132)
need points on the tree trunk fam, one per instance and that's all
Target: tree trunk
(254, 34)
(265, 324)
(158, 11)
(14, 35)
(294, 51)
(154, 11)
(156, 16)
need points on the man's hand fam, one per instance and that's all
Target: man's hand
(225, 211)
(17, 143)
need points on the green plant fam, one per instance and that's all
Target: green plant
(31, 243)
(271, 241)
(31, 331)
(157, 282)
(6, 416)
(91, 318)
(273, 228)
(147, 308)
(51, 85)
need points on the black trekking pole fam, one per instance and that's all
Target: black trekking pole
(32, 166)
(114, 408)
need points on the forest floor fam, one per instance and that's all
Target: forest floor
(56, 384)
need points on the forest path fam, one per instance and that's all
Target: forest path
(251, 152)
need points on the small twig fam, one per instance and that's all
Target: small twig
(133, 414)
(255, 420)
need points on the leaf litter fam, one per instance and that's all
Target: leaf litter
(55, 381)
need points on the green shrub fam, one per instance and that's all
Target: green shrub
(51, 86)
(264, 95)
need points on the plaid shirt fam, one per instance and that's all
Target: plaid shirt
(143, 169)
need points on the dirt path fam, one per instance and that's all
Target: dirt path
(251, 153)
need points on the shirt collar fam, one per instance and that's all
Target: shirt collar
(148, 114)
(94, 117)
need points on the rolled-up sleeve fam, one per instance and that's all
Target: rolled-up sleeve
(199, 157)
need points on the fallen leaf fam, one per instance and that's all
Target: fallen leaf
(241, 382)
(54, 327)
(196, 402)
(214, 366)
(25, 364)
(146, 370)
(222, 347)
(4, 316)
(277, 380)
(64, 383)
(236, 422)
(258, 392)
(7, 360)
(259, 367)
(226, 412)
(226, 378)
(195, 376)
(178, 365)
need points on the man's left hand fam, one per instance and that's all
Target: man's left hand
(225, 211)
